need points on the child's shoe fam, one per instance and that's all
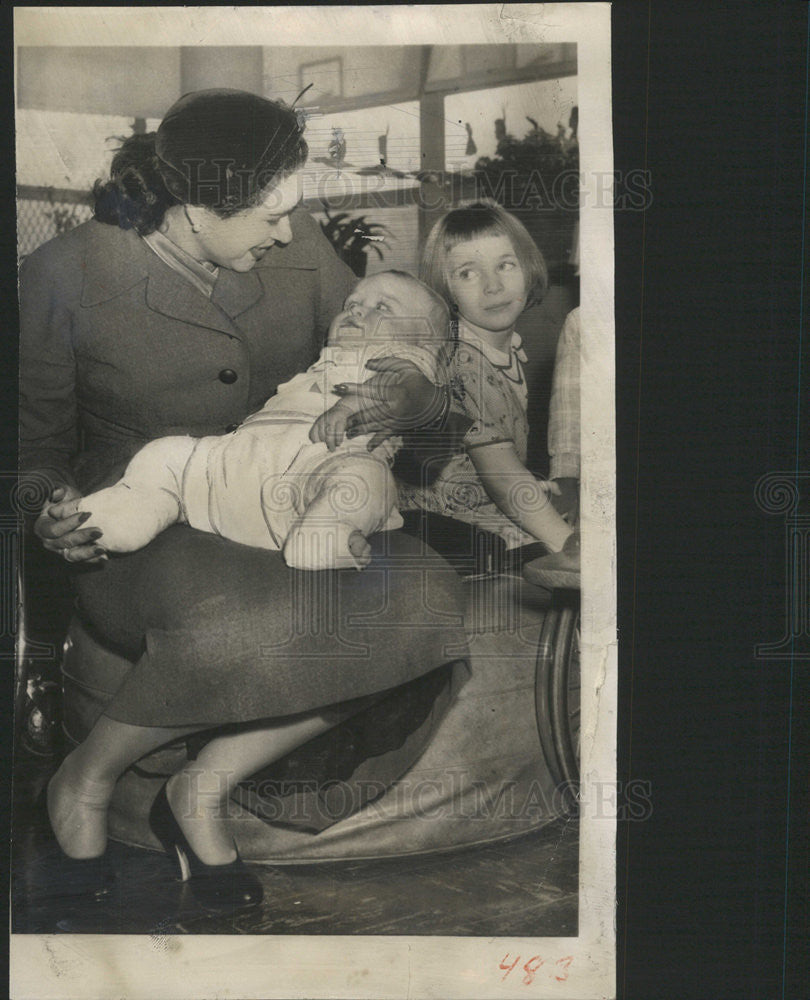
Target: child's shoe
(559, 570)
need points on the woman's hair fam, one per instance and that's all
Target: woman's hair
(469, 222)
(221, 149)
(135, 196)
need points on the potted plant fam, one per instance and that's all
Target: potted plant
(353, 237)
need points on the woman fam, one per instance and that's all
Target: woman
(194, 292)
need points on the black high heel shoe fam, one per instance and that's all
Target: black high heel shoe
(77, 881)
(217, 887)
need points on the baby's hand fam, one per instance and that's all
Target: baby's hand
(330, 427)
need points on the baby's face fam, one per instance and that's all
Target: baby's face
(384, 307)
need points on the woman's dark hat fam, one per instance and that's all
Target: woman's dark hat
(218, 148)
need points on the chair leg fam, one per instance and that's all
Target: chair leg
(557, 693)
(44, 602)
(37, 699)
(38, 713)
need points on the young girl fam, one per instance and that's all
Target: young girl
(487, 267)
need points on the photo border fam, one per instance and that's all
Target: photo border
(377, 967)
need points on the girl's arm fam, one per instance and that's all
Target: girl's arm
(516, 493)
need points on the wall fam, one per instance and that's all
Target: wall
(204, 67)
(99, 80)
(363, 70)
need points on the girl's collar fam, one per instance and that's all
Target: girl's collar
(500, 359)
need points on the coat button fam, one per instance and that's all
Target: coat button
(231, 428)
(228, 376)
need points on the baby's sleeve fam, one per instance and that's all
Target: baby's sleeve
(424, 357)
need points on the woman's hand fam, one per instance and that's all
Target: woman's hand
(60, 528)
(398, 398)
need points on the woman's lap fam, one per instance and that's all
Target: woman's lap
(220, 632)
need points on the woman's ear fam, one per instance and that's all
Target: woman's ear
(192, 213)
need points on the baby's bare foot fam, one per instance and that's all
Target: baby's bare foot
(317, 546)
(360, 549)
(77, 809)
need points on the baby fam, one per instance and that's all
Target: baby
(266, 484)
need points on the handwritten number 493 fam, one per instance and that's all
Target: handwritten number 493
(533, 964)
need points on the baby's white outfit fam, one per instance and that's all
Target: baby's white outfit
(266, 484)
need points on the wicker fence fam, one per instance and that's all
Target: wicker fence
(43, 213)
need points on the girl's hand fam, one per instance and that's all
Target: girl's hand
(566, 502)
(515, 491)
(60, 528)
(398, 398)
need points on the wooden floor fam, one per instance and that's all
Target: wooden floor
(524, 887)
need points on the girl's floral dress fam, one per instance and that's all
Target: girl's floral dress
(488, 386)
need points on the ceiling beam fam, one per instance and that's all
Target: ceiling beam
(503, 76)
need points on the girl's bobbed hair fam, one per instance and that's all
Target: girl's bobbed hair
(221, 149)
(471, 221)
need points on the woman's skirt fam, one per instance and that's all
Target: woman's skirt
(219, 633)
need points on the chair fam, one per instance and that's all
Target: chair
(502, 761)
(557, 690)
(44, 608)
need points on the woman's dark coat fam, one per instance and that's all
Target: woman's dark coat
(118, 349)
